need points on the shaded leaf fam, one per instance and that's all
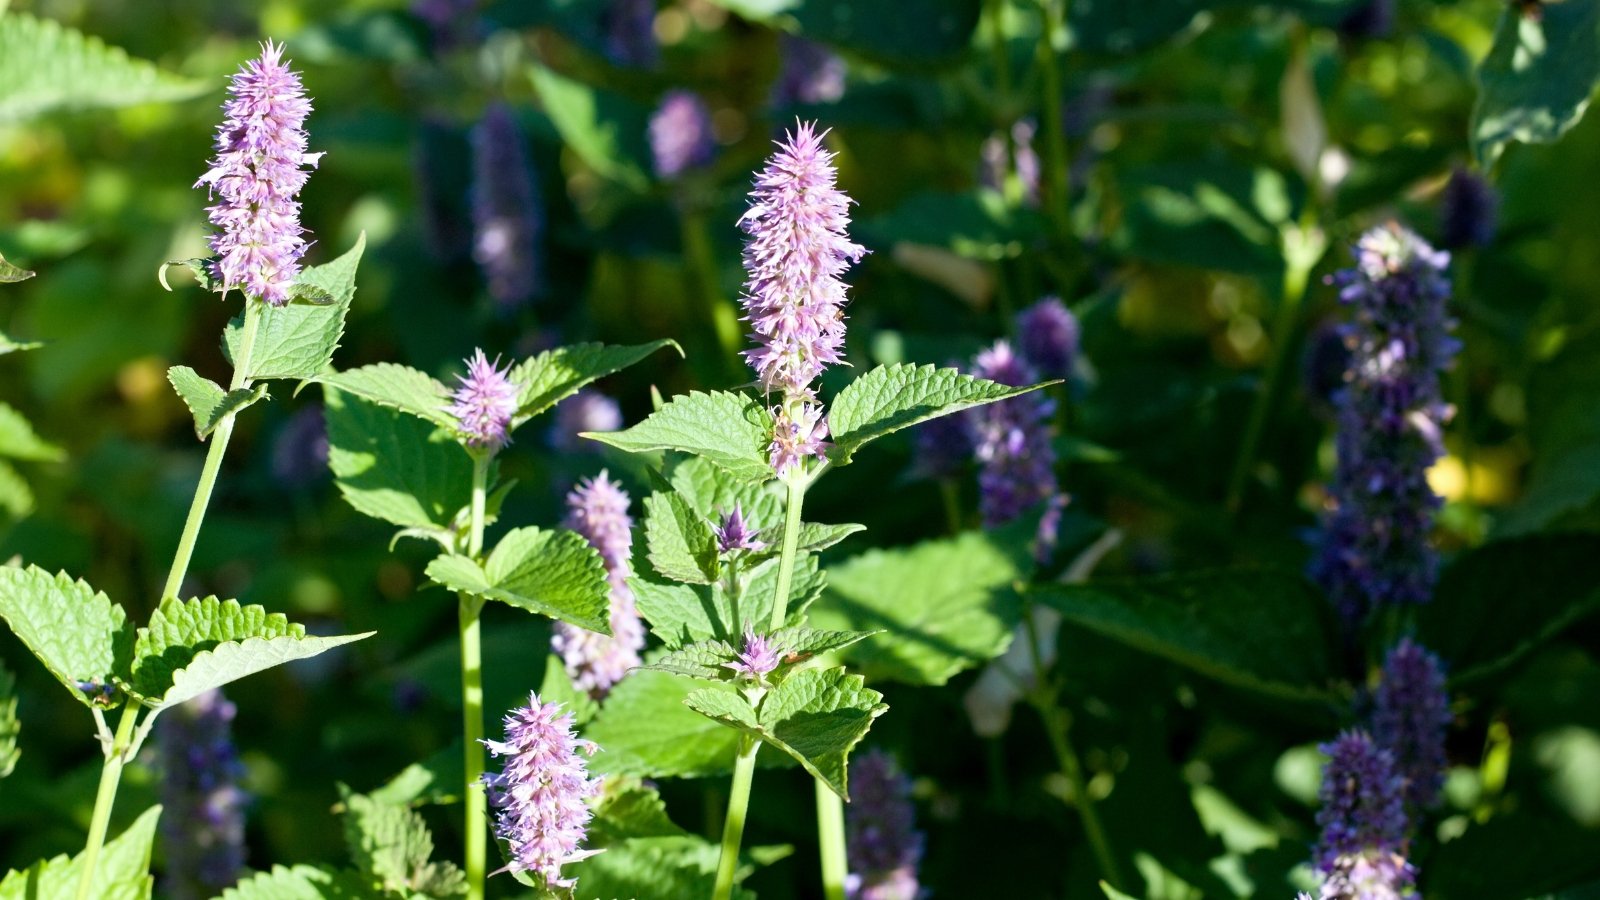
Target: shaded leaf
(554, 375)
(679, 541)
(397, 387)
(10, 725)
(122, 871)
(552, 573)
(890, 398)
(47, 68)
(394, 466)
(683, 613)
(731, 431)
(391, 844)
(79, 635)
(207, 401)
(1538, 77)
(18, 440)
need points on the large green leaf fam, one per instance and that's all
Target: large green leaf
(397, 387)
(645, 730)
(914, 33)
(181, 629)
(890, 398)
(817, 716)
(1511, 857)
(16, 498)
(552, 573)
(229, 662)
(665, 868)
(10, 725)
(629, 808)
(1261, 629)
(713, 493)
(18, 440)
(944, 605)
(1564, 433)
(80, 635)
(678, 540)
(207, 401)
(304, 883)
(395, 467)
(730, 430)
(122, 871)
(605, 130)
(297, 341)
(683, 613)
(46, 68)
(554, 375)
(391, 845)
(1538, 77)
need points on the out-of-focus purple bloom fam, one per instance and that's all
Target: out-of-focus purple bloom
(758, 657)
(1468, 211)
(203, 825)
(1373, 547)
(943, 447)
(587, 410)
(451, 23)
(1410, 715)
(734, 534)
(680, 134)
(539, 797)
(409, 696)
(597, 508)
(809, 73)
(505, 209)
(1362, 849)
(882, 843)
(1047, 335)
(1327, 359)
(1013, 447)
(260, 167)
(1372, 19)
(1023, 160)
(300, 451)
(485, 403)
(630, 33)
(441, 201)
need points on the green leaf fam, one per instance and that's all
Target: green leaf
(207, 401)
(554, 375)
(11, 345)
(730, 430)
(684, 613)
(436, 780)
(10, 725)
(228, 662)
(11, 274)
(79, 635)
(944, 605)
(678, 540)
(1515, 855)
(705, 660)
(46, 68)
(605, 130)
(557, 687)
(391, 844)
(713, 493)
(121, 873)
(395, 467)
(1260, 629)
(552, 573)
(816, 716)
(1550, 580)
(1564, 433)
(815, 538)
(303, 883)
(796, 646)
(1538, 77)
(890, 398)
(16, 500)
(397, 387)
(181, 629)
(18, 440)
(629, 809)
(646, 730)
(675, 868)
(297, 341)
(910, 33)
(204, 270)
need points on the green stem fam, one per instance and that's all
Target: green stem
(744, 770)
(951, 494)
(797, 485)
(477, 810)
(106, 797)
(830, 834)
(1054, 127)
(716, 307)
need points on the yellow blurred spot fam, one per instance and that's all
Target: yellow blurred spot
(141, 380)
(671, 26)
(1488, 481)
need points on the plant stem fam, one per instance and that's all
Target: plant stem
(1054, 127)
(797, 484)
(476, 802)
(830, 835)
(716, 307)
(106, 797)
(744, 770)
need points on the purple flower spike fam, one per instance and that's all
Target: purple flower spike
(260, 167)
(883, 845)
(587, 410)
(1047, 335)
(598, 509)
(943, 446)
(1013, 448)
(733, 533)
(680, 134)
(1362, 849)
(539, 797)
(1411, 713)
(1467, 211)
(484, 404)
(1373, 547)
(630, 33)
(758, 658)
(203, 828)
(506, 220)
(810, 73)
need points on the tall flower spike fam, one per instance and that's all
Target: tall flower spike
(598, 509)
(882, 843)
(1362, 849)
(680, 134)
(1467, 211)
(484, 404)
(1410, 715)
(1047, 335)
(809, 73)
(539, 797)
(203, 828)
(260, 167)
(1373, 548)
(1013, 448)
(506, 219)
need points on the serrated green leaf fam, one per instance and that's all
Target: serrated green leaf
(799, 644)
(10, 725)
(679, 541)
(705, 660)
(122, 871)
(394, 466)
(79, 635)
(297, 341)
(815, 537)
(1260, 629)
(713, 493)
(684, 613)
(229, 662)
(730, 430)
(436, 780)
(552, 573)
(46, 68)
(181, 629)
(554, 375)
(16, 498)
(646, 730)
(18, 440)
(890, 398)
(1537, 79)
(391, 844)
(303, 883)
(817, 716)
(204, 270)
(944, 606)
(668, 868)
(207, 401)
(397, 387)
(11, 274)
(629, 809)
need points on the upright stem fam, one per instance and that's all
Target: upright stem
(105, 798)
(477, 809)
(744, 770)
(830, 835)
(715, 306)
(1054, 128)
(797, 484)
